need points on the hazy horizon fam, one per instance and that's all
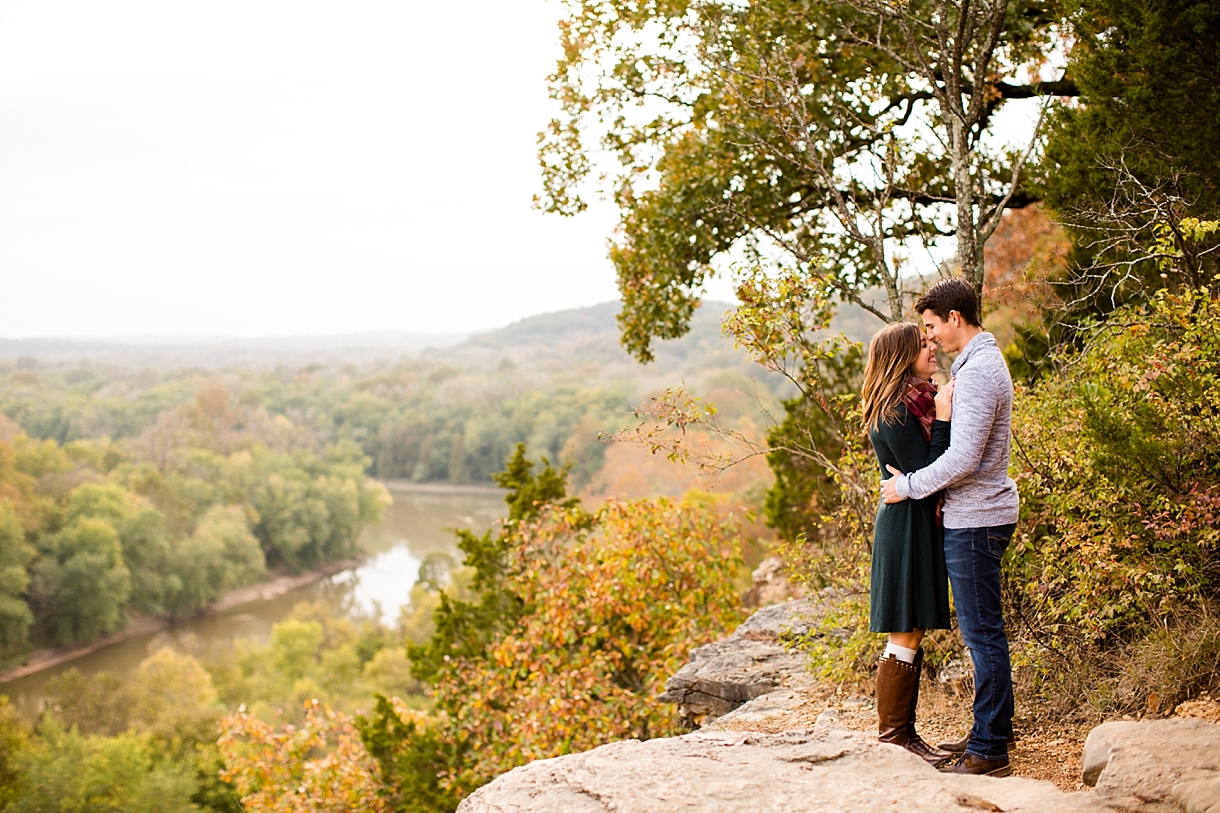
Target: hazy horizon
(263, 168)
(183, 338)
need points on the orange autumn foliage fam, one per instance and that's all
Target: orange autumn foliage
(1026, 253)
(319, 767)
(613, 609)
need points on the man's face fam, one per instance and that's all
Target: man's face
(946, 333)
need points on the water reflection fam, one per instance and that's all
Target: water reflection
(415, 527)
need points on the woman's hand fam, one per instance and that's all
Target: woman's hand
(944, 401)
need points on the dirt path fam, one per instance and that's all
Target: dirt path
(1043, 750)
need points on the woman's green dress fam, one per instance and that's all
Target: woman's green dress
(910, 587)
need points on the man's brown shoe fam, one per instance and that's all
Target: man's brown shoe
(970, 764)
(959, 746)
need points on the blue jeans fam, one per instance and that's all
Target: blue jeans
(972, 556)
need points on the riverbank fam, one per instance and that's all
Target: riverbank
(142, 625)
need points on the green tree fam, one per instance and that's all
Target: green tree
(15, 555)
(80, 582)
(1133, 165)
(408, 748)
(14, 738)
(220, 555)
(312, 509)
(99, 705)
(414, 757)
(174, 701)
(788, 125)
(466, 628)
(66, 770)
(170, 697)
(170, 703)
(143, 539)
(1150, 107)
(314, 654)
(805, 447)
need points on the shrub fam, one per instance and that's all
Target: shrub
(66, 770)
(578, 619)
(320, 765)
(1118, 464)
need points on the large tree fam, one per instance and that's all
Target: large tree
(837, 135)
(1140, 154)
(1149, 75)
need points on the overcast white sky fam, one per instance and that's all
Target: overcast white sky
(266, 167)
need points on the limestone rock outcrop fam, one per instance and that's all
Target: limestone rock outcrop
(771, 584)
(751, 662)
(1155, 765)
(823, 770)
(750, 685)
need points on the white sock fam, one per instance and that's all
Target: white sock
(902, 653)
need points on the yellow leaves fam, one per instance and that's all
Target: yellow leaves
(1118, 487)
(1172, 240)
(320, 767)
(612, 609)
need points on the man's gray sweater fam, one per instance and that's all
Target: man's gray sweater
(974, 471)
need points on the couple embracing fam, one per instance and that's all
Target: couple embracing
(949, 510)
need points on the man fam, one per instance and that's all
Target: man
(980, 512)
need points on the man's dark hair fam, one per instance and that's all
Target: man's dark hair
(951, 295)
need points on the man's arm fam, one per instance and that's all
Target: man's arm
(974, 404)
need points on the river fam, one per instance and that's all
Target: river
(416, 525)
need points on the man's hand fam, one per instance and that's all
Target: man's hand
(888, 492)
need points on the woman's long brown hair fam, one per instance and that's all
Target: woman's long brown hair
(891, 353)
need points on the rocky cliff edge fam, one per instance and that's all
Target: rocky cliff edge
(741, 688)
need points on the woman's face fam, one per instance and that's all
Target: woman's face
(925, 362)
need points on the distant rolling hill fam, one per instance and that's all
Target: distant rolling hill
(219, 352)
(582, 342)
(582, 345)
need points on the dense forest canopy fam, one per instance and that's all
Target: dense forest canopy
(445, 415)
(154, 490)
(149, 481)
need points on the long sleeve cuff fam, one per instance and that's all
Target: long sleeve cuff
(902, 486)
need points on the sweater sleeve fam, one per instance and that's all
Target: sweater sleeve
(974, 406)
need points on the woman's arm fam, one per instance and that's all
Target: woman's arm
(940, 440)
(905, 442)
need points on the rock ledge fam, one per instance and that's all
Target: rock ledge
(749, 682)
(750, 663)
(823, 770)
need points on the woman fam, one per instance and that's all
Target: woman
(908, 423)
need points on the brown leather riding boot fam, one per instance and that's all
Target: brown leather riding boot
(915, 743)
(895, 685)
